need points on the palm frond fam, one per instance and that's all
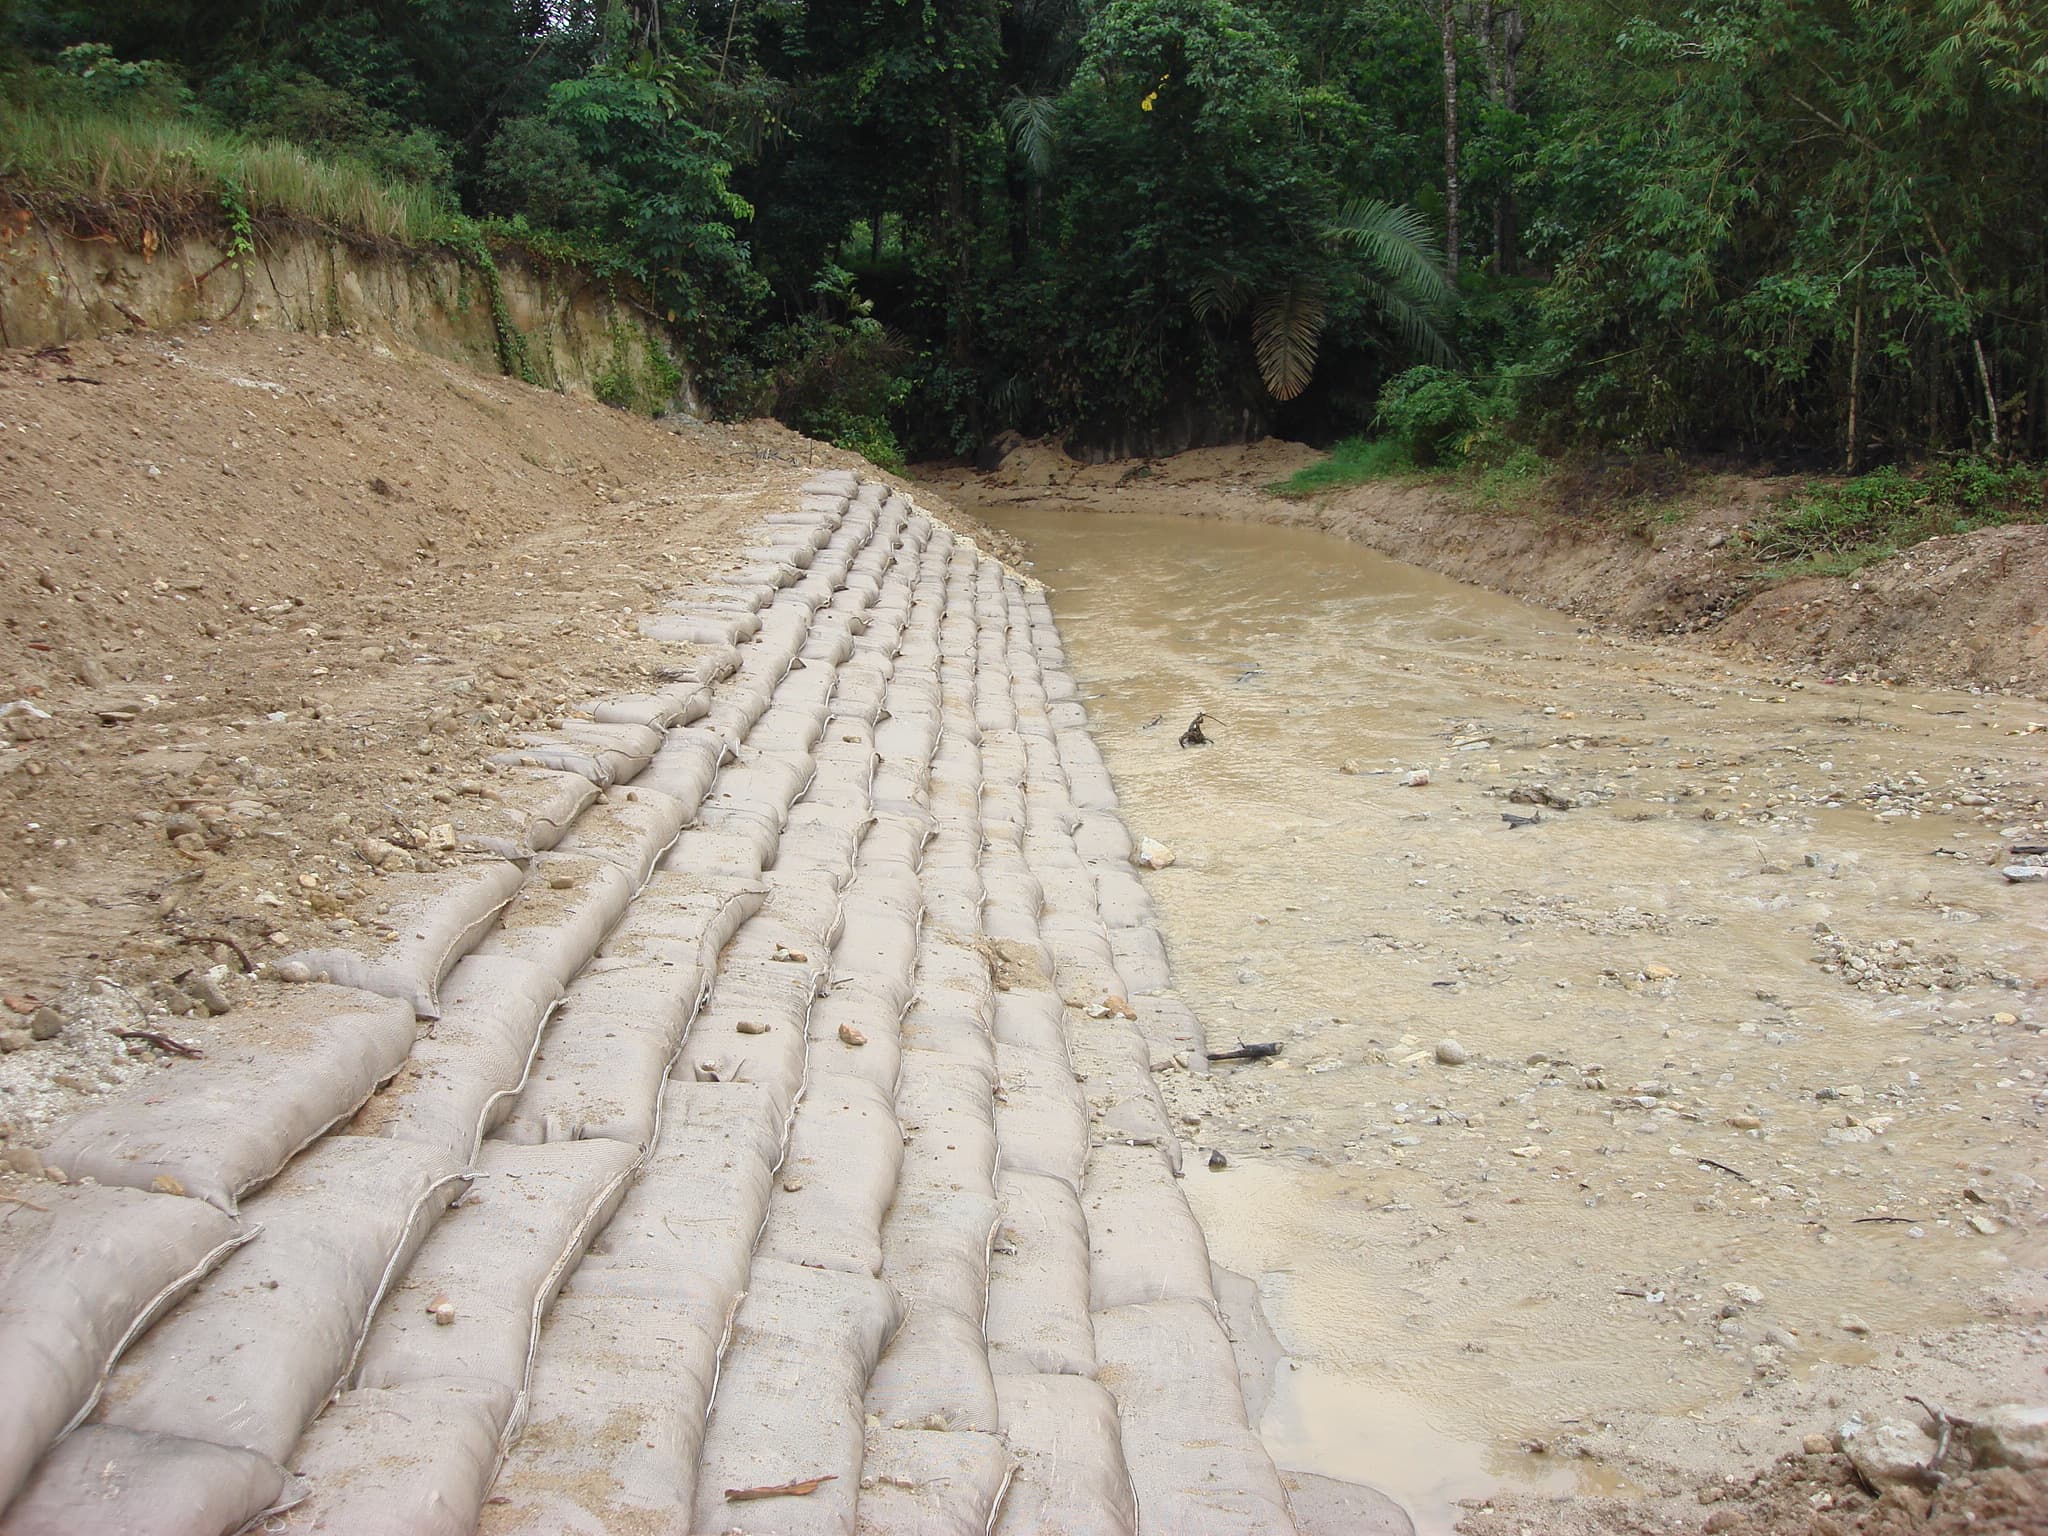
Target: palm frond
(1033, 124)
(1287, 327)
(1416, 326)
(1217, 296)
(1398, 242)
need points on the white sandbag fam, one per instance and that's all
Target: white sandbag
(683, 919)
(1032, 1019)
(932, 1483)
(946, 1104)
(459, 1082)
(518, 814)
(1141, 959)
(257, 1350)
(935, 1243)
(620, 1389)
(1071, 1479)
(856, 1033)
(803, 912)
(603, 754)
(677, 704)
(1114, 1063)
(604, 1057)
(878, 947)
(1041, 1121)
(631, 827)
(418, 932)
(1122, 897)
(703, 852)
(790, 1403)
(497, 1260)
(1038, 1291)
(118, 1482)
(569, 902)
(753, 1030)
(1169, 1025)
(756, 828)
(90, 1269)
(767, 785)
(684, 767)
(1144, 1243)
(935, 1375)
(309, 1056)
(415, 1460)
(1195, 1463)
(699, 628)
(824, 838)
(845, 1151)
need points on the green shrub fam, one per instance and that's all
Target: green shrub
(1430, 412)
(1838, 528)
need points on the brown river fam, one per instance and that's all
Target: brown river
(1609, 1150)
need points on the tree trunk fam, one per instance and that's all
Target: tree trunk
(1855, 379)
(1507, 215)
(1448, 13)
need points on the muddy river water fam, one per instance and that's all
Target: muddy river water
(1606, 1149)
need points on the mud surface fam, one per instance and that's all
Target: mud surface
(1609, 1154)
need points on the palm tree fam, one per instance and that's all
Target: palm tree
(1402, 268)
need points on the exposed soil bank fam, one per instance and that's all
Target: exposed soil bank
(1965, 611)
(267, 603)
(554, 326)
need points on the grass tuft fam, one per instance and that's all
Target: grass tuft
(166, 173)
(1835, 530)
(1353, 461)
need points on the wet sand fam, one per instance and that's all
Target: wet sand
(1749, 1128)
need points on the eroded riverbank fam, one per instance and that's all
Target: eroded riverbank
(1747, 1135)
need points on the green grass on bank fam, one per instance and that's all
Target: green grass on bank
(1835, 529)
(1353, 461)
(170, 172)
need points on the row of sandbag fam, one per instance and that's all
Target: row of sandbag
(587, 1134)
(1193, 1461)
(212, 1401)
(711, 1223)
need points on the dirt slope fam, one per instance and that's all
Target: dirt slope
(268, 601)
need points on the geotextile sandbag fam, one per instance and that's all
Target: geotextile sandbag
(935, 1243)
(308, 1056)
(1171, 1030)
(520, 813)
(1144, 1243)
(1121, 897)
(1032, 1018)
(932, 1483)
(1102, 838)
(684, 767)
(790, 1400)
(421, 925)
(262, 1344)
(621, 1384)
(1038, 1292)
(935, 1375)
(1141, 959)
(495, 1264)
(845, 1151)
(414, 1460)
(121, 1482)
(677, 704)
(1041, 1120)
(1195, 1463)
(88, 1270)
(605, 1056)
(569, 902)
(1114, 1064)
(704, 852)
(700, 628)
(631, 827)
(684, 920)
(603, 754)
(467, 1067)
(1071, 1478)
(753, 1030)
(825, 838)
(855, 1033)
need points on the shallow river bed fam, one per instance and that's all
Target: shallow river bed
(1608, 1149)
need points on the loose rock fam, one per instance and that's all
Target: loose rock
(1452, 1054)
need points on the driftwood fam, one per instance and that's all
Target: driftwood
(1192, 736)
(1248, 1052)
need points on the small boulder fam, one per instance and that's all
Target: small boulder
(1887, 1452)
(2012, 1435)
(1152, 854)
(1452, 1054)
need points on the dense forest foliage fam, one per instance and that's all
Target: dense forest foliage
(1810, 229)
